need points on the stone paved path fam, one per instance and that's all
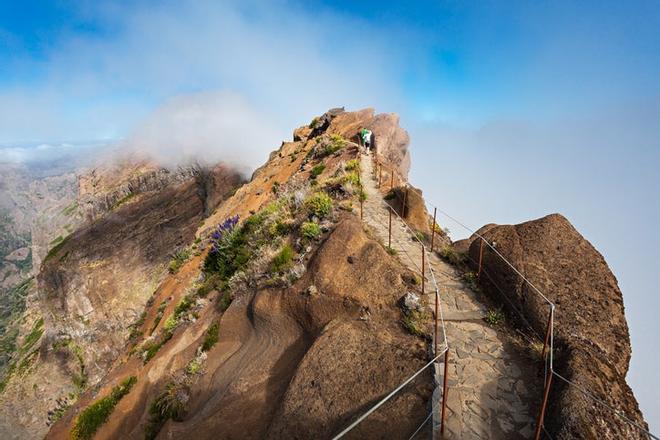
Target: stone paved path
(492, 390)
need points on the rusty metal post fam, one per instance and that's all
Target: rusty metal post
(547, 336)
(423, 274)
(539, 420)
(481, 255)
(389, 230)
(435, 330)
(444, 394)
(433, 228)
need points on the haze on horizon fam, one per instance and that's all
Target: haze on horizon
(515, 110)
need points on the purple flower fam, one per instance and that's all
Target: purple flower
(221, 232)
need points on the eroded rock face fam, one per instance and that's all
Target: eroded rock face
(591, 334)
(105, 188)
(95, 283)
(103, 274)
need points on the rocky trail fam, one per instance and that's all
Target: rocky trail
(492, 387)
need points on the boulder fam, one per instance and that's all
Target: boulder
(464, 245)
(414, 211)
(411, 302)
(592, 344)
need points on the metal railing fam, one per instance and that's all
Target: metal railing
(439, 325)
(547, 353)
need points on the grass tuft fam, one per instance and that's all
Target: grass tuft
(95, 415)
(316, 171)
(211, 337)
(283, 260)
(310, 230)
(319, 204)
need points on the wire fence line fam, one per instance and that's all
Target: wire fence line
(438, 324)
(421, 426)
(389, 396)
(549, 371)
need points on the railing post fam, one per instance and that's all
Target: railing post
(547, 336)
(444, 393)
(435, 330)
(433, 228)
(481, 255)
(539, 421)
(423, 275)
(389, 230)
(380, 174)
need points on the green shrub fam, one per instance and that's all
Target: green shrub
(179, 258)
(152, 348)
(283, 260)
(211, 282)
(335, 144)
(186, 303)
(362, 196)
(414, 322)
(170, 404)
(275, 189)
(319, 204)
(390, 250)
(494, 317)
(55, 249)
(317, 170)
(470, 278)
(235, 251)
(137, 325)
(224, 301)
(170, 324)
(194, 366)
(310, 230)
(452, 257)
(211, 336)
(95, 415)
(353, 178)
(33, 336)
(353, 164)
(314, 123)
(279, 228)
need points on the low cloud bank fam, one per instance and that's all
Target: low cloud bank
(206, 127)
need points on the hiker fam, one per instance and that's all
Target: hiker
(367, 137)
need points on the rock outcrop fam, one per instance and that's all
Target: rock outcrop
(592, 345)
(391, 141)
(95, 282)
(300, 352)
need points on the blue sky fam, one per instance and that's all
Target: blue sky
(515, 109)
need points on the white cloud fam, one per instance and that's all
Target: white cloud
(289, 63)
(206, 126)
